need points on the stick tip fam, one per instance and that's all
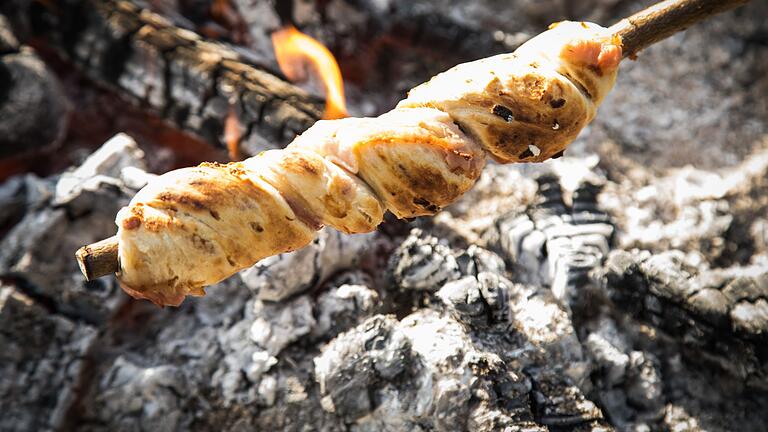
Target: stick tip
(82, 257)
(98, 259)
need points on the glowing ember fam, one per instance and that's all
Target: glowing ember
(294, 50)
(232, 134)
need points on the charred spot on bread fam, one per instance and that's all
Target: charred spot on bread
(557, 103)
(503, 112)
(527, 153)
(426, 204)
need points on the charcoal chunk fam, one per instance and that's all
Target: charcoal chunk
(719, 313)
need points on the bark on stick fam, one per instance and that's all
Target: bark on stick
(664, 19)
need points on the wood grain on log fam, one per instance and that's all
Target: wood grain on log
(720, 315)
(190, 81)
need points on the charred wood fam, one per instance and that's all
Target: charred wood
(720, 315)
(192, 82)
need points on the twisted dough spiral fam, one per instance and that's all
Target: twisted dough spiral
(196, 226)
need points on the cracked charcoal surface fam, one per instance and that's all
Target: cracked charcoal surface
(422, 262)
(722, 315)
(426, 372)
(233, 361)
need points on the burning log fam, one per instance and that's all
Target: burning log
(288, 187)
(188, 80)
(721, 316)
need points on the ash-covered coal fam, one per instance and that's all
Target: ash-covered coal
(720, 315)
(42, 362)
(54, 216)
(276, 278)
(50, 315)
(554, 243)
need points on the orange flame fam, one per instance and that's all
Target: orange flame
(294, 50)
(232, 134)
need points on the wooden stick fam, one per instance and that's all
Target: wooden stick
(664, 19)
(98, 259)
(637, 32)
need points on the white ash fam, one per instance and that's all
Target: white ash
(610, 358)
(420, 378)
(421, 373)
(281, 276)
(548, 331)
(135, 178)
(345, 371)
(422, 262)
(484, 297)
(199, 350)
(444, 371)
(262, 361)
(242, 364)
(58, 312)
(478, 301)
(471, 283)
(118, 153)
(134, 392)
(343, 307)
(690, 209)
(500, 189)
(644, 387)
(279, 324)
(629, 383)
(77, 189)
(715, 313)
(41, 363)
(713, 117)
(446, 361)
